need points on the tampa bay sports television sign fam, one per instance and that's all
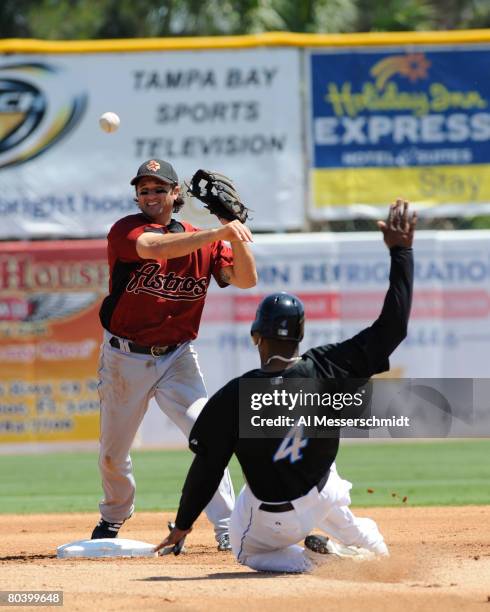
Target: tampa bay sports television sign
(61, 176)
(411, 121)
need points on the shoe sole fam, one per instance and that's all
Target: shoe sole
(324, 546)
(318, 544)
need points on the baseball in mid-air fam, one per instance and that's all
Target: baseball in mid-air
(109, 122)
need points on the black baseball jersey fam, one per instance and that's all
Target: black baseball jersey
(282, 470)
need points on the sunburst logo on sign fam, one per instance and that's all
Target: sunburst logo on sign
(413, 66)
(38, 107)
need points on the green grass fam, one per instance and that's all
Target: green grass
(428, 473)
(439, 473)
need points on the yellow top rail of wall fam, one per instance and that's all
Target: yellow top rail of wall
(267, 39)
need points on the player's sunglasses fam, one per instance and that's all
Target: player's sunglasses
(157, 191)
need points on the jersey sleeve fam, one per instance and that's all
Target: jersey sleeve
(122, 241)
(212, 439)
(368, 352)
(222, 257)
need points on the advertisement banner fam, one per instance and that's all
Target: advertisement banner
(409, 122)
(62, 176)
(342, 280)
(49, 340)
(50, 331)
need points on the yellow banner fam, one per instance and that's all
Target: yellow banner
(428, 186)
(50, 293)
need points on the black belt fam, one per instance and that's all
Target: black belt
(288, 506)
(285, 507)
(154, 351)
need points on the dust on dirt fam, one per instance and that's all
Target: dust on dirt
(440, 560)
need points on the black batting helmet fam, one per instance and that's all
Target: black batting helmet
(280, 316)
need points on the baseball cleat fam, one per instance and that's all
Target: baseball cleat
(104, 529)
(224, 542)
(318, 544)
(325, 546)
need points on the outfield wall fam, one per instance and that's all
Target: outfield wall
(310, 127)
(50, 333)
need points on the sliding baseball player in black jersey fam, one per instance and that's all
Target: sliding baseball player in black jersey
(292, 485)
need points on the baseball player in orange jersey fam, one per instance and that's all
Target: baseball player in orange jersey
(160, 271)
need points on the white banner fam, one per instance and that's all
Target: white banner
(342, 280)
(235, 111)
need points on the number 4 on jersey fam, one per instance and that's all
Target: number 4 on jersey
(291, 445)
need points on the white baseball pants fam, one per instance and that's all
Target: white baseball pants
(127, 381)
(267, 541)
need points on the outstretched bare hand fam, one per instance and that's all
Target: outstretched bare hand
(399, 228)
(175, 538)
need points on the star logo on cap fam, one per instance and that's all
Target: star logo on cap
(153, 165)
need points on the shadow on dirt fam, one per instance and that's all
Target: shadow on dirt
(217, 576)
(26, 557)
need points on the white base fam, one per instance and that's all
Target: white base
(106, 547)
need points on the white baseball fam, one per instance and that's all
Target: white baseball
(109, 122)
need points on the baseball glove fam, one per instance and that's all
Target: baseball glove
(218, 194)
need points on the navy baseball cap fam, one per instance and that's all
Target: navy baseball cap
(156, 168)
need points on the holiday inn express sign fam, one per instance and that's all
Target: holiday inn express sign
(399, 122)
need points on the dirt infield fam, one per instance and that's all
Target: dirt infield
(440, 560)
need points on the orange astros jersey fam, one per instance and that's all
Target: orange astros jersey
(157, 302)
